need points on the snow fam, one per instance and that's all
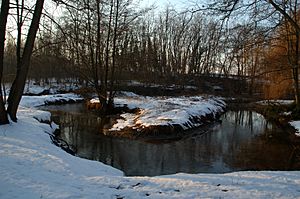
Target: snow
(92, 101)
(154, 85)
(279, 102)
(29, 104)
(51, 86)
(32, 167)
(296, 125)
(34, 101)
(165, 111)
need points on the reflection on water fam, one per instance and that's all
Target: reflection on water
(243, 141)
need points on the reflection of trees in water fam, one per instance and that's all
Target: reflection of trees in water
(76, 128)
(251, 120)
(237, 143)
(262, 151)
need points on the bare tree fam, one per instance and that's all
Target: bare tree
(263, 10)
(18, 85)
(94, 37)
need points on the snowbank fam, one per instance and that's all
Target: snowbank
(188, 112)
(32, 167)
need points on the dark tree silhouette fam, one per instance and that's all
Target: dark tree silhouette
(3, 21)
(18, 85)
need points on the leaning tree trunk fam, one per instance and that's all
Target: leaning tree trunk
(17, 88)
(3, 21)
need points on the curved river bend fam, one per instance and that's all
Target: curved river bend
(244, 140)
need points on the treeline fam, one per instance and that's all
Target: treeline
(114, 35)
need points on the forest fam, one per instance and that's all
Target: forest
(102, 43)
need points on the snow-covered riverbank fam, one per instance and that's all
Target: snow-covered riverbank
(32, 167)
(183, 112)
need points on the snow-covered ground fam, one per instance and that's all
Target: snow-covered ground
(276, 102)
(50, 86)
(166, 111)
(154, 85)
(34, 101)
(54, 86)
(32, 167)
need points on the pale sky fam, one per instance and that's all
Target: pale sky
(161, 4)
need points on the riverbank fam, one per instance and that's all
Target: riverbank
(32, 167)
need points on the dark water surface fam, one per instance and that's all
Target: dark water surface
(243, 141)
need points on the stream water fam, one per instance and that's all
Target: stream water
(244, 140)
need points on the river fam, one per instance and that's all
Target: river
(244, 140)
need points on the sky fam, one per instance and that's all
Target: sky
(161, 4)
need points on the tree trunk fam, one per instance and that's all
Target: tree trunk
(296, 87)
(3, 21)
(17, 88)
(112, 77)
(296, 72)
